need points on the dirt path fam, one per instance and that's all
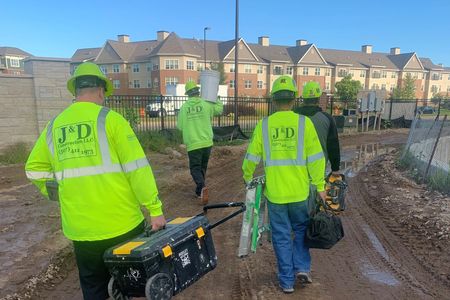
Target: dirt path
(373, 261)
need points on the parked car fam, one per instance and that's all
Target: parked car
(427, 110)
(170, 107)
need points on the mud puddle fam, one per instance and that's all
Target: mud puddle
(355, 159)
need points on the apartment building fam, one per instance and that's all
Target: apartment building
(147, 67)
(11, 60)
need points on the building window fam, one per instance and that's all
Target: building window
(116, 69)
(351, 73)
(171, 80)
(383, 74)
(289, 70)
(156, 82)
(149, 83)
(247, 68)
(116, 84)
(231, 68)
(14, 62)
(248, 84)
(155, 66)
(376, 74)
(231, 84)
(327, 86)
(448, 88)
(327, 72)
(435, 76)
(136, 68)
(104, 69)
(190, 65)
(136, 84)
(259, 84)
(392, 87)
(393, 75)
(434, 89)
(305, 71)
(149, 67)
(171, 64)
(363, 86)
(375, 86)
(261, 69)
(277, 70)
(317, 72)
(200, 67)
(342, 72)
(383, 86)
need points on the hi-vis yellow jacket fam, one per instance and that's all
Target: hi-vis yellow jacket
(101, 170)
(288, 145)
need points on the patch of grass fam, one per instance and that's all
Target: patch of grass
(229, 143)
(160, 140)
(15, 154)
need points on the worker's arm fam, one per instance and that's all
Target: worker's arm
(38, 167)
(333, 149)
(217, 108)
(134, 163)
(315, 160)
(254, 153)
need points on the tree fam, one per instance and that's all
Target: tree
(219, 67)
(409, 87)
(347, 89)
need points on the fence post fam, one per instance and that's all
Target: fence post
(161, 109)
(218, 122)
(331, 105)
(439, 107)
(435, 146)
(415, 107)
(390, 109)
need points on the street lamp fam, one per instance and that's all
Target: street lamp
(204, 42)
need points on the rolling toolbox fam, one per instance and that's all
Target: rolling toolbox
(158, 265)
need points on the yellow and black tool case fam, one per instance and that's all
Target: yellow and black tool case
(157, 265)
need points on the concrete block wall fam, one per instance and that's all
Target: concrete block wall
(18, 120)
(29, 101)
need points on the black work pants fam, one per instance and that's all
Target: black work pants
(94, 276)
(198, 163)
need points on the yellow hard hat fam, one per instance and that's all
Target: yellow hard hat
(94, 77)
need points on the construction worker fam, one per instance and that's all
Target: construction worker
(194, 120)
(323, 122)
(326, 130)
(288, 145)
(102, 175)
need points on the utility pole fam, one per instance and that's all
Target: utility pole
(236, 65)
(204, 43)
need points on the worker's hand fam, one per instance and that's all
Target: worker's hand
(158, 222)
(323, 195)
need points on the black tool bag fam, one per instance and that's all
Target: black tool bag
(158, 265)
(324, 230)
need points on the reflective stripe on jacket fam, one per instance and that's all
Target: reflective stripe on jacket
(102, 173)
(291, 152)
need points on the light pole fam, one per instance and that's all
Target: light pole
(236, 64)
(204, 43)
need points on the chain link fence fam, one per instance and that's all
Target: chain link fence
(426, 154)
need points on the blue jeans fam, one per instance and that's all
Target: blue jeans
(292, 254)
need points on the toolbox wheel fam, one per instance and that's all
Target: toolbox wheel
(114, 292)
(159, 287)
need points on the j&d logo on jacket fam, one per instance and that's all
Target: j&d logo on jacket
(282, 133)
(81, 131)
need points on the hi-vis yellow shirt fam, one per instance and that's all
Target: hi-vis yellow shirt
(288, 145)
(101, 170)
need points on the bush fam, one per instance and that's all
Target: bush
(14, 154)
(159, 141)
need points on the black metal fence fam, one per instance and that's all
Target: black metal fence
(151, 113)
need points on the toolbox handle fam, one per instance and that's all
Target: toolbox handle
(224, 205)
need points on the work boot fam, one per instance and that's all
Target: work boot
(204, 197)
(287, 290)
(304, 277)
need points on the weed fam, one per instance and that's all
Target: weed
(14, 154)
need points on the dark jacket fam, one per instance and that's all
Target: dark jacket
(326, 131)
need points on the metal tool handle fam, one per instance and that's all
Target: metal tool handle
(224, 205)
